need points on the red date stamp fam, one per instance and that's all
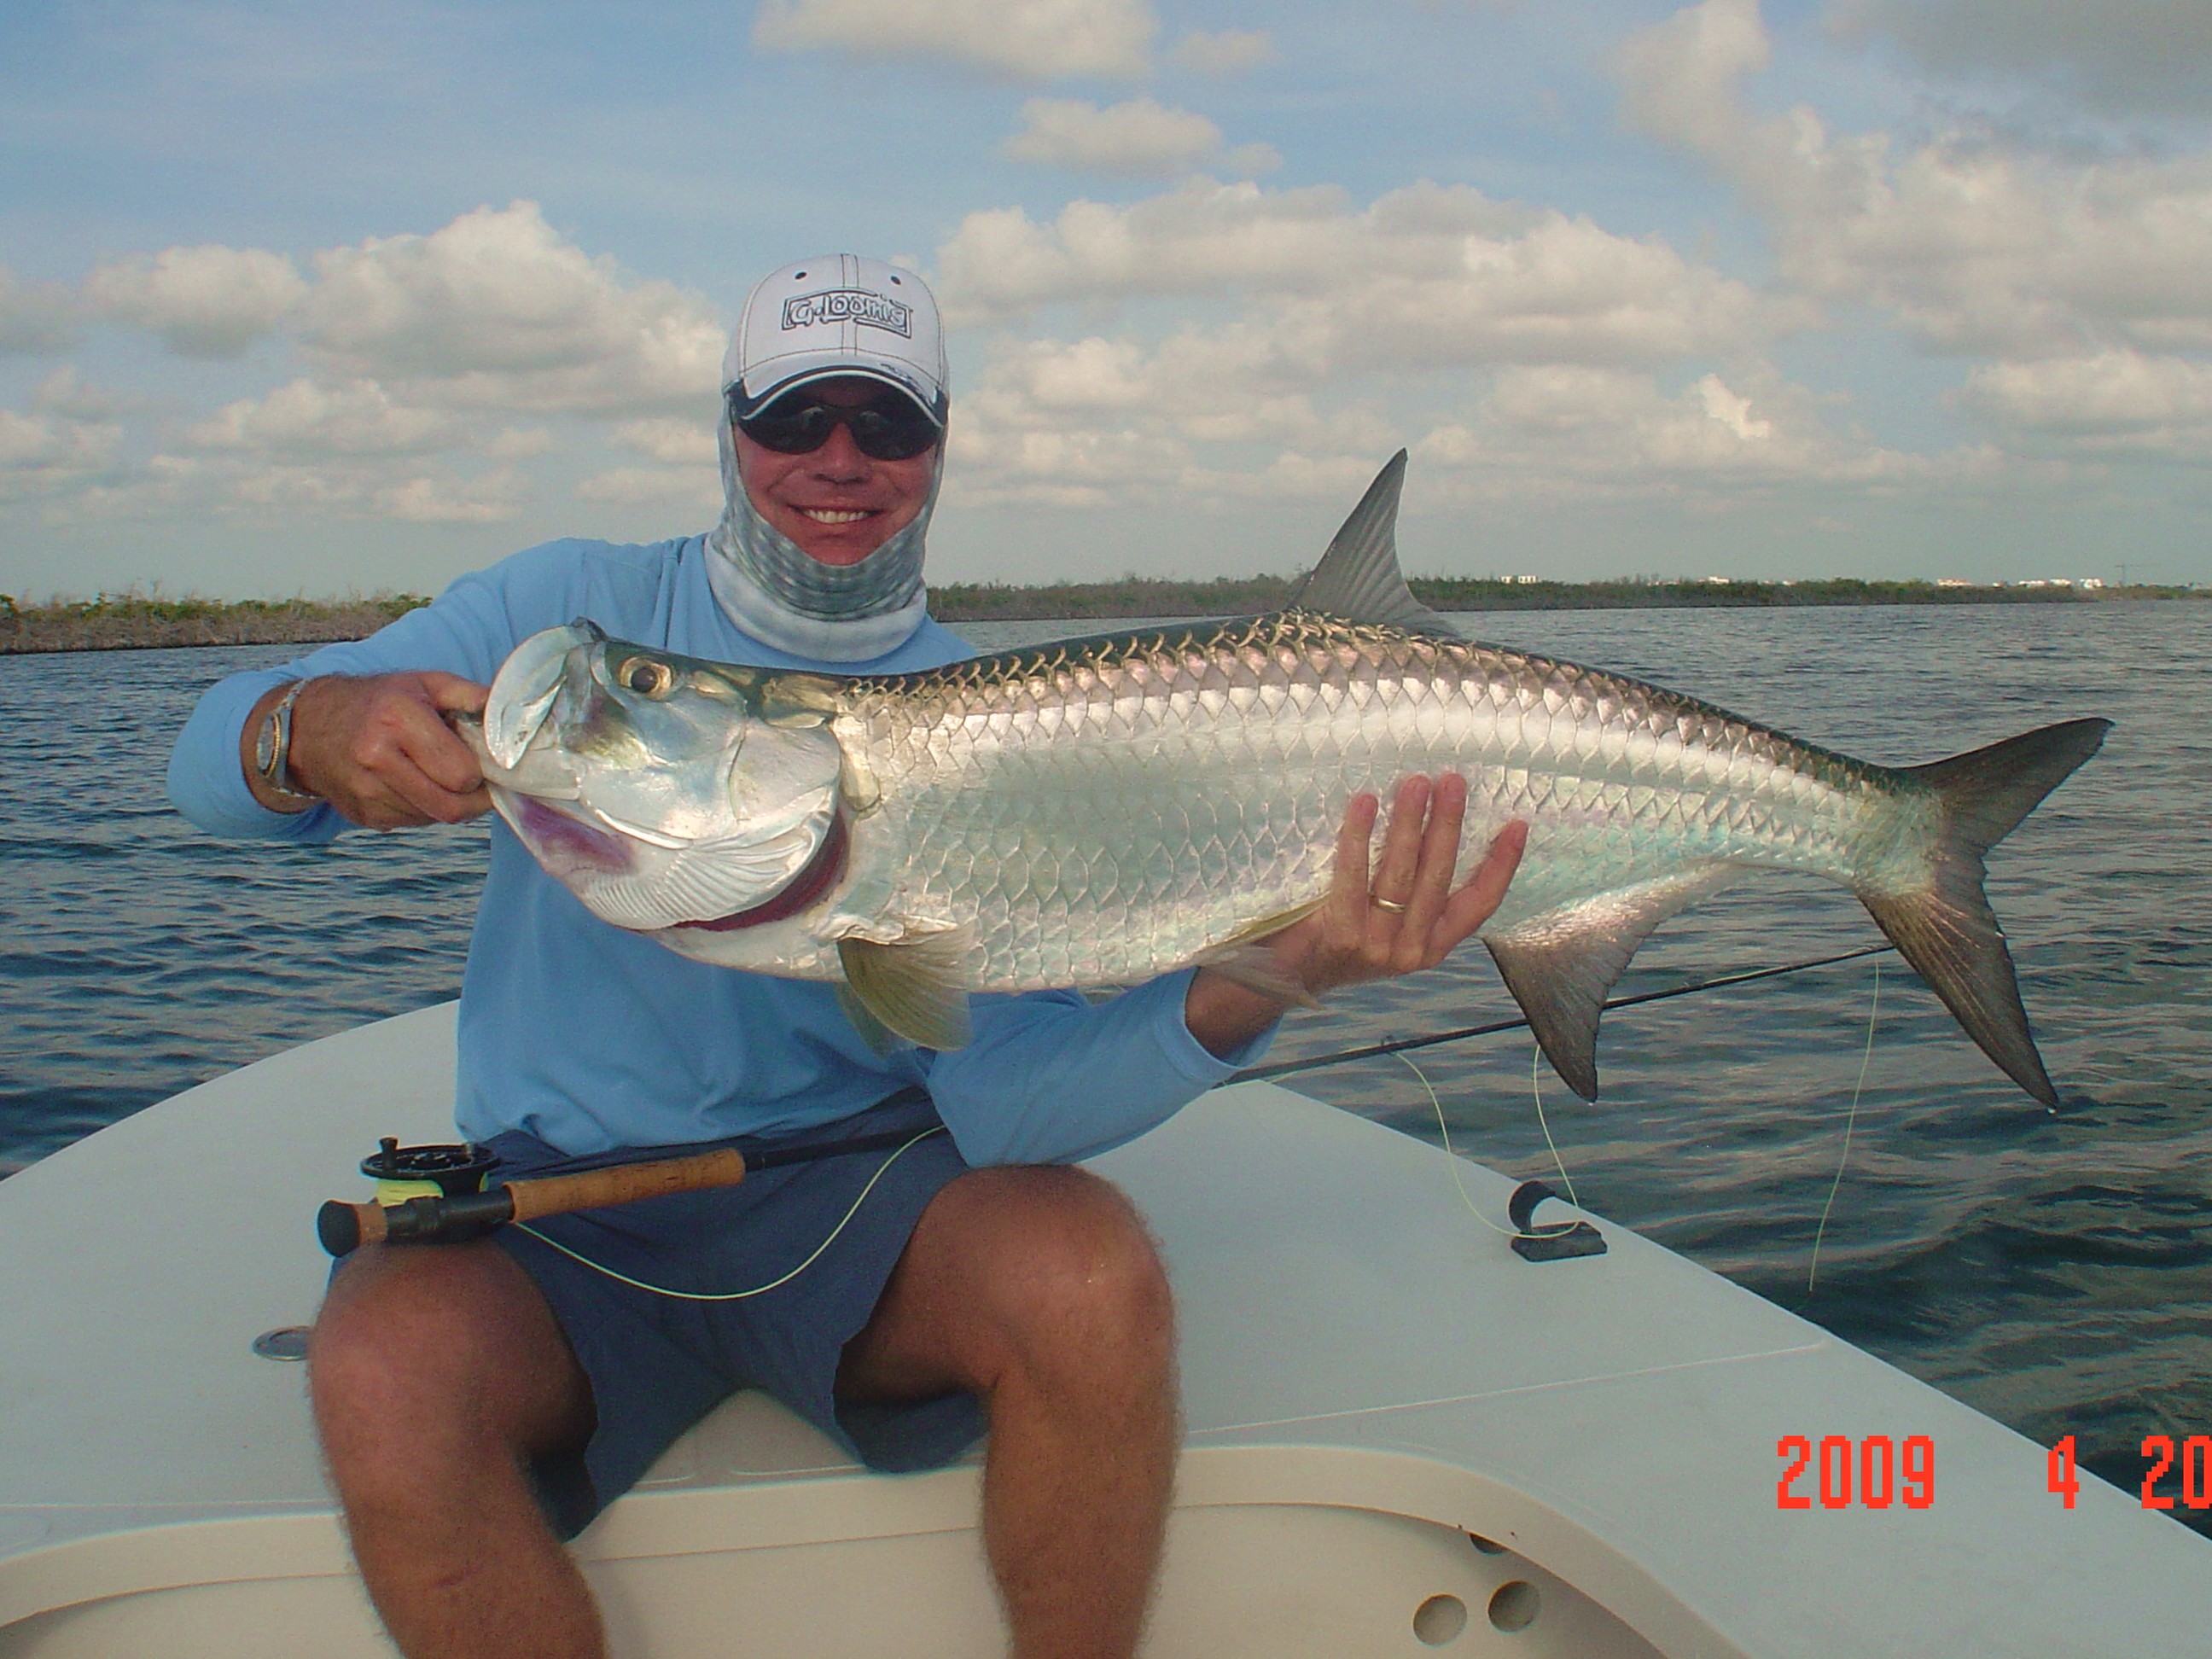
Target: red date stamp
(1874, 1473)
(2192, 1459)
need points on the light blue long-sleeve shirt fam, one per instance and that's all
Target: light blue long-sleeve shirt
(592, 1037)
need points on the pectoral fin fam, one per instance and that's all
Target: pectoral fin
(1243, 956)
(1560, 965)
(917, 987)
(878, 1036)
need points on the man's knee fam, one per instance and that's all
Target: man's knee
(1082, 1284)
(438, 1348)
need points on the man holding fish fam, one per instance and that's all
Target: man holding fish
(479, 1403)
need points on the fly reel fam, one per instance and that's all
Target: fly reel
(403, 1172)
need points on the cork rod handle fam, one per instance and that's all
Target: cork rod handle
(625, 1183)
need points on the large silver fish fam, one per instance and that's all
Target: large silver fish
(1100, 811)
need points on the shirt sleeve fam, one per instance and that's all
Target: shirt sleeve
(467, 630)
(1051, 1077)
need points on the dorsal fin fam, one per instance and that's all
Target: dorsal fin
(1358, 578)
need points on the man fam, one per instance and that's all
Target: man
(479, 1403)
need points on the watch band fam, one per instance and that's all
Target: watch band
(272, 748)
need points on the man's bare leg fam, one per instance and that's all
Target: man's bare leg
(434, 1373)
(1040, 1290)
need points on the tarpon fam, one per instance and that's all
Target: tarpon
(1098, 811)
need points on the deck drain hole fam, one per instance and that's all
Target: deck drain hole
(1515, 1604)
(285, 1342)
(1440, 1619)
(1486, 1546)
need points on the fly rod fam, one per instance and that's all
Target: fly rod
(458, 1211)
(1400, 1045)
(446, 1203)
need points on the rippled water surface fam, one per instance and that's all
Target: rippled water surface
(2054, 1270)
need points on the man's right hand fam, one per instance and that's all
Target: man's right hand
(378, 750)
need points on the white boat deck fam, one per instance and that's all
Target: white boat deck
(1371, 1376)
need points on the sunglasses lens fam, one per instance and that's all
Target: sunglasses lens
(789, 427)
(892, 428)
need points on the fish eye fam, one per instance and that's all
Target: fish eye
(645, 676)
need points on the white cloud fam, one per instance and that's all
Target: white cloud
(497, 309)
(410, 490)
(687, 479)
(1028, 39)
(1574, 429)
(45, 454)
(301, 418)
(673, 490)
(413, 345)
(208, 302)
(673, 442)
(492, 498)
(1424, 276)
(1977, 246)
(35, 318)
(2112, 54)
(1231, 51)
(2111, 402)
(1203, 417)
(1341, 330)
(66, 392)
(520, 443)
(1250, 161)
(1140, 136)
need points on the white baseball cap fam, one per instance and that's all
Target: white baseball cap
(839, 314)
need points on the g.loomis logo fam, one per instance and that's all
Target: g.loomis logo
(848, 305)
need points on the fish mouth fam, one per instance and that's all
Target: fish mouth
(817, 877)
(567, 840)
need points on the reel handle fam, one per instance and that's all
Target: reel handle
(344, 1228)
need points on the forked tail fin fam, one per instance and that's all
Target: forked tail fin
(1947, 930)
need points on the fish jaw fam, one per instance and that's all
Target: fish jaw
(662, 792)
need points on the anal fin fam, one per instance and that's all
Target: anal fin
(916, 988)
(1560, 965)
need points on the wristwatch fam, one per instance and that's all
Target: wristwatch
(272, 749)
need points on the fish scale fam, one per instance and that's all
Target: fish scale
(1098, 811)
(1183, 756)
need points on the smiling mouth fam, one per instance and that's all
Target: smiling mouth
(836, 515)
(819, 875)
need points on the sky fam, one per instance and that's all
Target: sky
(321, 298)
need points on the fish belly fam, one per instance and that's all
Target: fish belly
(1104, 822)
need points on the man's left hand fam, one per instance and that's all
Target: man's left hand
(1398, 918)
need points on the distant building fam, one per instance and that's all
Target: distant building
(1528, 579)
(1719, 582)
(1953, 581)
(2090, 581)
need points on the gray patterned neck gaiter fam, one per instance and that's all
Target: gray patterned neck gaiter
(772, 590)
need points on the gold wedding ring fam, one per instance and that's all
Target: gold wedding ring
(1391, 905)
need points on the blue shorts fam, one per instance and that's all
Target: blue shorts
(658, 1363)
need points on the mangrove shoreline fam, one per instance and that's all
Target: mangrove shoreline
(137, 621)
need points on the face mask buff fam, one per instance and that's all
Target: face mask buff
(773, 591)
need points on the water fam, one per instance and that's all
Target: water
(2055, 1270)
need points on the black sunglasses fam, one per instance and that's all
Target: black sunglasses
(891, 428)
